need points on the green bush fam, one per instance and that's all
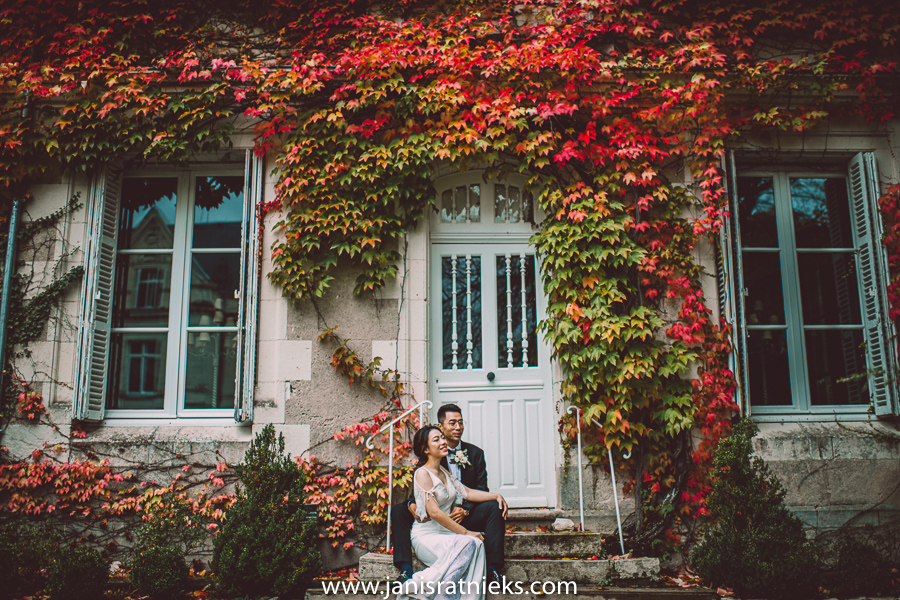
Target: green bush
(77, 574)
(159, 572)
(861, 569)
(25, 553)
(755, 546)
(267, 545)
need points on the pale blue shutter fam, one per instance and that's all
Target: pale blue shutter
(729, 280)
(871, 262)
(94, 337)
(249, 292)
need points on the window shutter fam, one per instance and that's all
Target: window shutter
(97, 290)
(249, 292)
(871, 263)
(729, 279)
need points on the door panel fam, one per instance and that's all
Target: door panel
(490, 361)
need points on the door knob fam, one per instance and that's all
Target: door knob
(491, 376)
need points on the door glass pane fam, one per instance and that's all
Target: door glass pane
(148, 212)
(475, 203)
(142, 290)
(756, 212)
(831, 358)
(828, 289)
(215, 282)
(767, 363)
(516, 311)
(448, 214)
(762, 278)
(218, 211)
(461, 311)
(137, 371)
(210, 370)
(821, 212)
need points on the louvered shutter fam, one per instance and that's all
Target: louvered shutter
(871, 263)
(730, 285)
(97, 291)
(249, 292)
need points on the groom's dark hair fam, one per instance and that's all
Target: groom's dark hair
(445, 408)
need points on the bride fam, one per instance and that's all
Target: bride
(454, 555)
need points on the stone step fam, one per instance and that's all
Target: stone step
(583, 591)
(539, 544)
(603, 521)
(379, 567)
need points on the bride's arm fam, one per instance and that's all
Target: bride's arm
(434, 511)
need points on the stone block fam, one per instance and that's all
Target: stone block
(635, 568)
(294, 360)
(524, 544)
(387, 351)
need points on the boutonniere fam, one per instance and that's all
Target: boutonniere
(461, 457)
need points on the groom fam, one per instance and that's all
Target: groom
(466, 462)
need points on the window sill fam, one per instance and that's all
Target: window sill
(173, 422)
(813, 417)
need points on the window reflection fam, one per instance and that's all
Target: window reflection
(821, 212)
(147, 217)
(756, 212)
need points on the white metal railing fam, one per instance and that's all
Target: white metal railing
(612, 473)
(580, 485)
(370, 445)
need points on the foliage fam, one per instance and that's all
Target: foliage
(25, 552)
(756, 546)
(33, 294)
(267, 544)
(863, 562)
(158, 571)
(77, 573)
(618, 111)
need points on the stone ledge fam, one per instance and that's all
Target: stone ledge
(584, 591)
(379, 567)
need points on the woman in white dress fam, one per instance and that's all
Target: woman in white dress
(454, 555)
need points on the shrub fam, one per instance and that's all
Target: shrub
(755, 546)
(861, 569)
(158, 572)
(25, 553)
(77, 574)
(267, 545)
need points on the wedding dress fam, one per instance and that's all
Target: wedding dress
(456, 563)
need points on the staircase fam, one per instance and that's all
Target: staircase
(548, 559)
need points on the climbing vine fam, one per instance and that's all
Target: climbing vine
(617, 111)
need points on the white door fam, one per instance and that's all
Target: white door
(488, 358)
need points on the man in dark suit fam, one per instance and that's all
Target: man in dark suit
(466, 462)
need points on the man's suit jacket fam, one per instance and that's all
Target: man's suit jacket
(473, 475)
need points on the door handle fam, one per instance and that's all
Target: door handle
(491, 376)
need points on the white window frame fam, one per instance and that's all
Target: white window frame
(871, 277)
(95, 332)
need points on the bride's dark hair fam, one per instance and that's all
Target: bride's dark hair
(420, 443)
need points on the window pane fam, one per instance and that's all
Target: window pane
(828, 289)
(142, 290)
(215, 282)
(211, 370)
(148, 212)
(756, 212)
(218, 212)
(137, 371)
(769, 373)
(475, 203)
(821, 212)
(512, 301)
(831, 357)
(460, 308)
(448, 214)
(762, 277)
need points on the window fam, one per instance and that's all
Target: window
(812, 330)
(168, 323)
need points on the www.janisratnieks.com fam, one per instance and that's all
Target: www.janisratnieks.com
(389, 589)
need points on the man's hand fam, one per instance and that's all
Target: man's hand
(502, 502)
(412, 509)
(458, 514)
